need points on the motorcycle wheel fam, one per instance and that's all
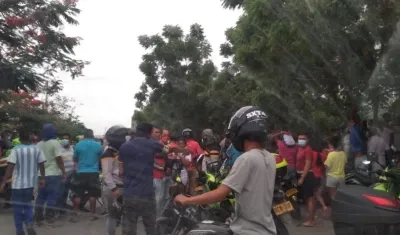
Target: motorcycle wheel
(280, 226)
(296, 214)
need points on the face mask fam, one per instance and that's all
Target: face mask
(302, 142)
(64, 142)
(232, 153)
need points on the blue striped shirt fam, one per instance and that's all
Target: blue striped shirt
(26, 159)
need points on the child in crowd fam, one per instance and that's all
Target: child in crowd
(335, 164)
(24, 162)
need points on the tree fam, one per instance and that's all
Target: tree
(24, 110)
(177, 70)
(307, 65)
(320, 58)
(33, 46)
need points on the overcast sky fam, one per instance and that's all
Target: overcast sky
(105, 95)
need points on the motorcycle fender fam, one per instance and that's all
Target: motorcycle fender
(380, 187)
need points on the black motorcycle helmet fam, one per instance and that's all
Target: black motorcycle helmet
(249, 123)
(115, 136)
(187, 133)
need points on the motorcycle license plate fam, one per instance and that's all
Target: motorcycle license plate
(291, 192)
(283, 208)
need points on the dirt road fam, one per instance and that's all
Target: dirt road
(87, 227)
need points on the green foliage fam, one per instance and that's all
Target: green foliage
(318, 56)
(23, 110)
(307, 64)
(177, 70)
(33, 46)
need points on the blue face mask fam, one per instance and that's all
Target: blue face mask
(302, 142)
(64, 142)
(232, 155)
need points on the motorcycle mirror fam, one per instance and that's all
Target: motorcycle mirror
(366, 162)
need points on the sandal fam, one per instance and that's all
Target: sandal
(305, 224)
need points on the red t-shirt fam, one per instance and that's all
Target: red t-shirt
(287, 152)
(194, 148)
(303, 154)
(158, 174)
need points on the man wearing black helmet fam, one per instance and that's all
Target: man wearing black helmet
(252, 177)
(113, 182)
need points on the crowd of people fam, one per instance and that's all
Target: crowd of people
(131, 171)
(318, 166)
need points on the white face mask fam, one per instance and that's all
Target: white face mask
(302, 142)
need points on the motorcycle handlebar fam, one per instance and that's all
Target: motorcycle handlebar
(390, 175)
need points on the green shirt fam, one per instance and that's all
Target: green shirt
(51, 150)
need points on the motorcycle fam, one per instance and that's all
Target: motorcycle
(211, 180)
(363, 177)
(370, 178)
(365, 210)
(184, 221)
(86, 197)
(382, 184)
(285, 193)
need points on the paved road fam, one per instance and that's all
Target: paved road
(87, 227)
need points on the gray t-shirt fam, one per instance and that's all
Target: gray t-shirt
(253, 178)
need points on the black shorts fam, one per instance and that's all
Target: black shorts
(82, 183)
(310, 184)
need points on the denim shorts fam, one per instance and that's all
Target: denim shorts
(334, 182)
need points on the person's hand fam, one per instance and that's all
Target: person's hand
(116, 193)
(300, 182)
(64, 177)
(180, 199)
(42, 183)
